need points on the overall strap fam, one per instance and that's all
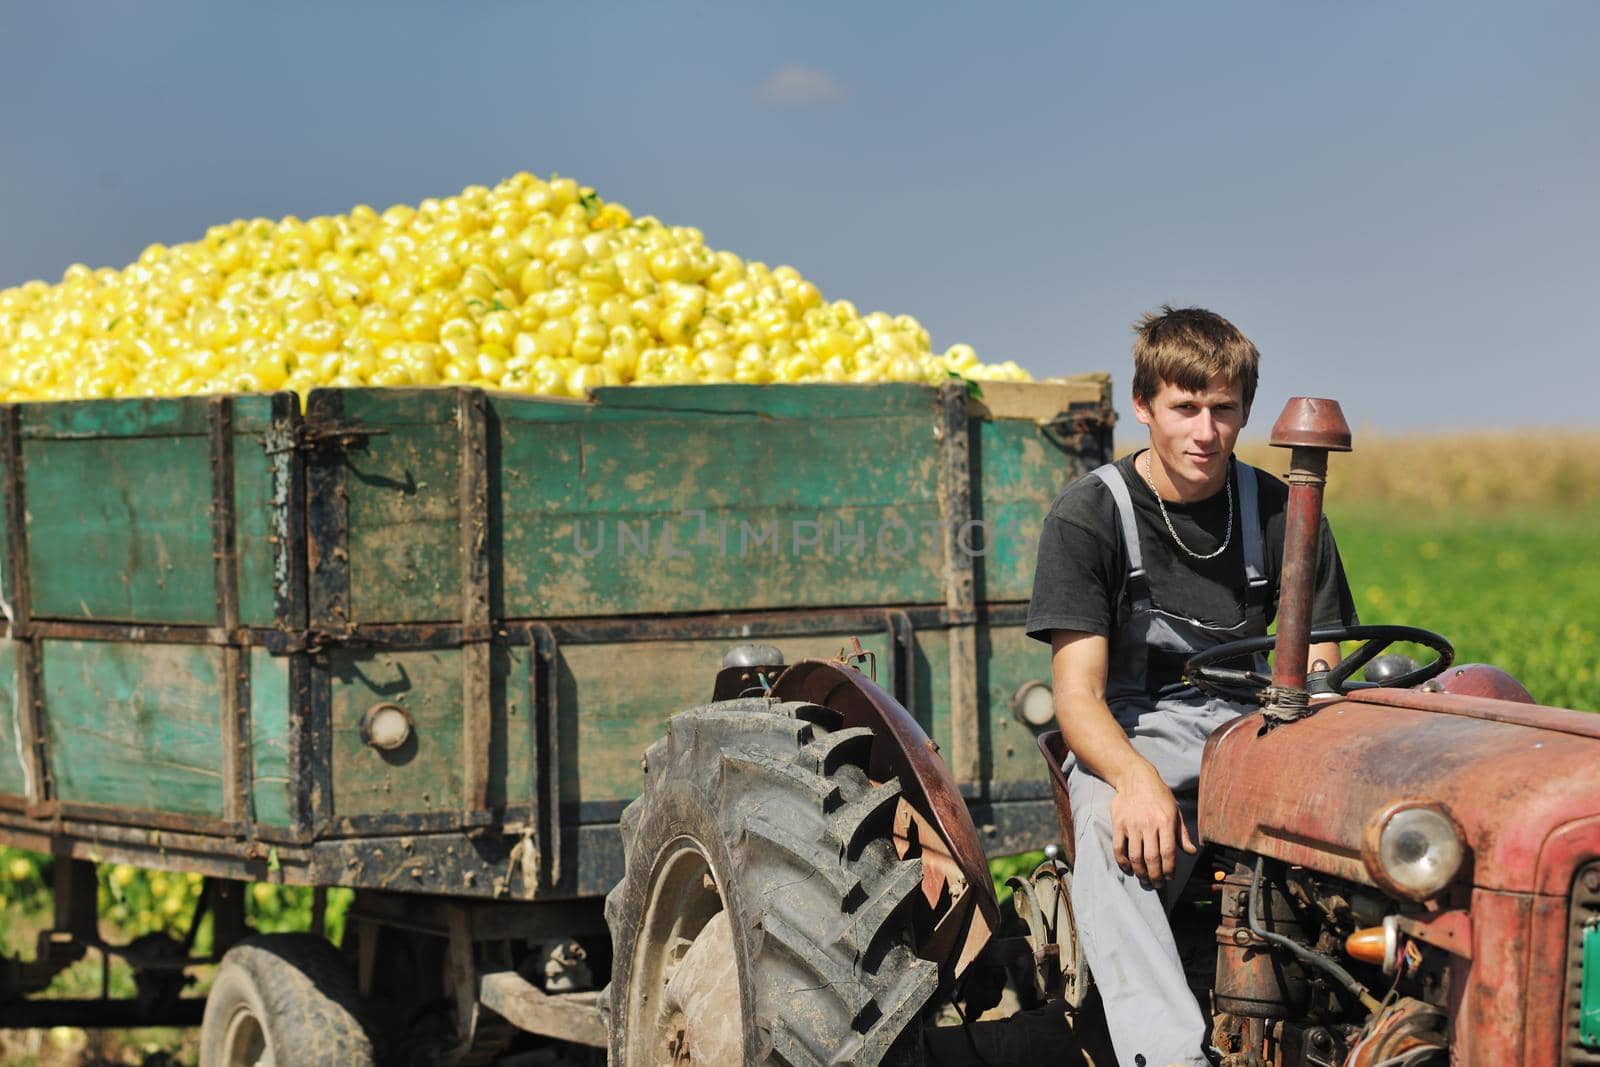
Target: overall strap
(1138, 584)
(1255, 561)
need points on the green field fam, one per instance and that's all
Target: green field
(1521, 591)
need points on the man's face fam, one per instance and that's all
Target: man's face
(1192, 434)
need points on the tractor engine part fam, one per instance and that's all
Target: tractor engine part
(1311, 1046)
(1310, 428)
(747, 670)
(1407, 1031)
(1253, 980)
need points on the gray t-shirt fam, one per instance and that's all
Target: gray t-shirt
(1080, 578)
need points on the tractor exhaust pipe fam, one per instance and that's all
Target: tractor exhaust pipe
(1310, 428)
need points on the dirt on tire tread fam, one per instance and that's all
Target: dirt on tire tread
(302, 981)
(826, 929)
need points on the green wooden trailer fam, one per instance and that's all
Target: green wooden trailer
(415, 642)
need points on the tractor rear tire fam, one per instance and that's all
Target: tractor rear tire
(280, 1000)
(764, 916)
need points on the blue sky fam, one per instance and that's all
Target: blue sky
(1399, 202)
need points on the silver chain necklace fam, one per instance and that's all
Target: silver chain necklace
(1149, 480)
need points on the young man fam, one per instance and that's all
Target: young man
(1141, 564)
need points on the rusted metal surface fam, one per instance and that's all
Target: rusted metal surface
(903, 649)
(405, 822)
(17, 590)
(102, 842)
(1489, 1019)
(955, 511)
(575, 631)
(142, 633)
(544, 757)
(224, 550)
(31, 727)
(954, 937)
(301, 746)
(901, 750)
(574, 1017)
(243, 738)
(287, 521)
(1311, 422)
(1479, 680)
(1311, 428)
(1449, 930)
(311, 745)
(1252, 979)
(1404, 1028)
(154, 820)
(1514, 713)
(1054, 748)
(1564, 851)
(471, 417)
(19, 618)
(1551, 996)
(327, 520)
(1309, 794)
(235, 729)
(1302, 529)
(445, 864)
(1081, 429)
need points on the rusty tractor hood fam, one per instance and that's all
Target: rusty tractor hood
(1510, 774)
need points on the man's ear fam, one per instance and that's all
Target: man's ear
(1141, 410)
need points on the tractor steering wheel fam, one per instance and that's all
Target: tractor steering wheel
(1204, 671)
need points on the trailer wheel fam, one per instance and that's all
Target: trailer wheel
(764, 915)
(281, 1000)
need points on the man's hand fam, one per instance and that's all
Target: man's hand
(1146, 827)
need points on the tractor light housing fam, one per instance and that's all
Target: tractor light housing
(1414, 850)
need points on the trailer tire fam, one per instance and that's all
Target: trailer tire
(285, 999)
(764, 916)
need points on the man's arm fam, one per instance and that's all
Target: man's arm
(1146, 827)
(1327, 653)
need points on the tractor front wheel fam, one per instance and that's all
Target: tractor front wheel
(764, 916)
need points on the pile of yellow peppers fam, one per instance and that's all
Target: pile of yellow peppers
(532, 286)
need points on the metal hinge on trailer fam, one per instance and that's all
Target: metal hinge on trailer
(1069, 428)
(316, 638)
(310, 436)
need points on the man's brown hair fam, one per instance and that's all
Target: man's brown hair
(1187, 347)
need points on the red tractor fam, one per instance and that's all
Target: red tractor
(1402, 870)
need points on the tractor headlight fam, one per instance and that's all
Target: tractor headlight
(1418, 851)
(1033, 704)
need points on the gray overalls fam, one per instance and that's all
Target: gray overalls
(1127, 941)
